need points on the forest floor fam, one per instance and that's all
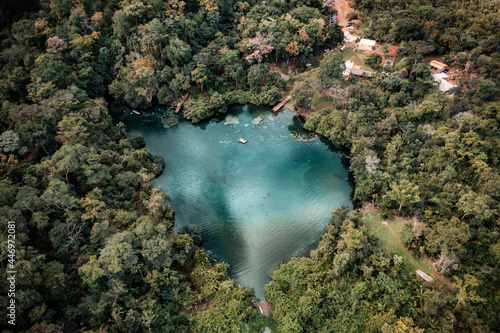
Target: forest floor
(265, 307)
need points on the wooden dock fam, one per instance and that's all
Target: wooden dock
(181, 102)
(282, 103)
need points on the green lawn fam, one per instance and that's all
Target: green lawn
(321, 101)
(390, 239)
(357, 57)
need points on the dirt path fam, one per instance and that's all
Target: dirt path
(343, 9)
(306, 72)
(265, 307)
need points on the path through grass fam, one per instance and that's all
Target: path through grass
(390, 238)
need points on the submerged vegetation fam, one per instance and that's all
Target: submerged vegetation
(95, 248)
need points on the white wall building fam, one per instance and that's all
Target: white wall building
(444, 85)
(366, 45)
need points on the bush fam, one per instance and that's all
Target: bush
(408, 29)
(202, 108)
(351, 16)
(374, 60)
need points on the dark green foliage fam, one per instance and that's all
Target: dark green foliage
(334, 35)
(199, 109)
(415, 151)
(374, 60)
(95, 245)
(408, 29)
(302, 95)
(347, 284)
(331, 68)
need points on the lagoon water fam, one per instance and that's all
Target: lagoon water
(259, 203)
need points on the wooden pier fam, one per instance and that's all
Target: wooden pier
(282, 103)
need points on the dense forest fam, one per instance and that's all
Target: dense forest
(95, 246)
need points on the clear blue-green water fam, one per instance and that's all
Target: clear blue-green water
(260, 203)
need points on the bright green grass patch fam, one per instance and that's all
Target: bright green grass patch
(357, 57)
(321, 101)
(390, 239)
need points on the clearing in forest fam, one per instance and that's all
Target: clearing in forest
(389, 231)
(358, 57)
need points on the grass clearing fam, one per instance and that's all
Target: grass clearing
(321, 101)
(357, 57)
(390, 238)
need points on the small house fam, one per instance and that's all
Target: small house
(439, 66)
(362, 72)
(389, 62)
(351, 69)
(366, 45)
(349, 64)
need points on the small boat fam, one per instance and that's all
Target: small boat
(136, 112)
(242, 140)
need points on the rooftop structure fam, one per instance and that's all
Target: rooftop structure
(389, 62)
(362, 72)
(438, 65)
(285, 77)
(442, 79)
(351, 69)
(348, 68)
(366, 45)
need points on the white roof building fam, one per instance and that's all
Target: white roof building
(438, 65)
(349, 64)
(366, 45)
(351, 69)
(444, 85)
(348, 38)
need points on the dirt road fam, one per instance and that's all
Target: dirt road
(343, 9)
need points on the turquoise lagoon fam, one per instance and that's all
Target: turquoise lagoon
(260, 203)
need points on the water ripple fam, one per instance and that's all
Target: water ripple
(258, 203)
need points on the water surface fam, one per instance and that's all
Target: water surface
(259, 203)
